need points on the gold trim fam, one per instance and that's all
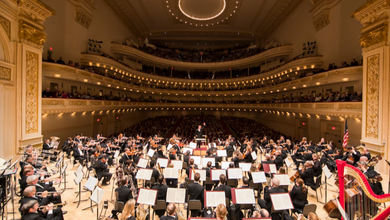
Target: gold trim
(32, 85)
(5, 73)
(372, 97)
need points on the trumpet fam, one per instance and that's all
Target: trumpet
(50, 179)
(48, 193)
(40, 208)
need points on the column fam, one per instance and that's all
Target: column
(374, 41)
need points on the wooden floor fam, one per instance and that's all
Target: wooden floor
(76, 213)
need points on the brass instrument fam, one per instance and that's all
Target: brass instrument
(48, 193)
(142, 213)
(180, 214)
(40, 208)
(159, 168)
(50, 179)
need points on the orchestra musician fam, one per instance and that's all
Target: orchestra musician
(161, 188)
(247, 154)
(155, 173)
(191, 166)
(298, 194)
(199, 134)
(307, 174)
(372, 177)
(30, 211)
(67, 147)
(221, 212)
(237, 158)
(351, 155)
(366, 153)
(196, 192)
(126, 158)
(102, 170)
(186, 158)
(128, 212)
(274, 188)
(278, 159)
(171, 212)
(316, 166)
(208, 170)
(123, 192)
(222, 187)
(78, 154)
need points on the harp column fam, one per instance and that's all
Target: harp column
(20, 90)
(374, 40)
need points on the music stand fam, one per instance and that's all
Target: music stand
(90, 186)
(327, 176)
(281, 202)
(96, 197)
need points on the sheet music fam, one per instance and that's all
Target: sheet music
(287, 161)
(79, 171)
(245, 196)
(258, 177)
(91, 183)
(178, 164)
(214, 198)
(284, 179)
(245, 166)
(192, 145)
(201, 172)
(169, 147)
(97, 195)
(272, 168)
(176, 195)
(163, 162)
(216, 173)
(281, 201)
(205, 160)
(197, 159)
(151, 153)
(171, 173)
(234, 173)
(254, 155)
(144, 174)
(225, 164)
(327, 171)
(143, 163)
(147, 196)
(221, 153)
(185, 149)
(116, 154)
(78, 179)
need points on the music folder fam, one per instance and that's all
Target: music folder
(234, 173)
(116, 154)
(243, 196)
(221, 153)
(171, 173)
(281, 201)
(245, 166)
(215, 173)
(143, 163)
(197, 159)
(163, 162)
(144, 174)
(284, 179)
(326, 171)
(269, 167)
(214, 198)
(258, 177)
(185, 149)
(287, 162)
(97, 195)
(192, 145)
(254, 155)
(176, 195)
(225, 164)
(151, 152)
(147, 196)
(205, 160)
(201, 172)
(91, 183)
(178, 164)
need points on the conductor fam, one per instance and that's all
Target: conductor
(199, 134)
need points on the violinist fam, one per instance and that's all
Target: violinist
(322, 144)
(366, 153)
(172, 154)
(78, 154)
(230, 143)
(67, 146)
(247, 155)
(278, 159)
(351, 155)
(264, 141)
(126, 157)
(191, 166)
(289, 145)
(316, 165)
(236, 158)
(253, 144)
(307, 174)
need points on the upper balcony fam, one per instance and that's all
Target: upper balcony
(282, 51)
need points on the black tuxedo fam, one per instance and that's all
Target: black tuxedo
(317, 168)
(161, 191)
(356, 157)
(227, 189)
(124, 194)
(46, 146)
(78, 156)
(267, 197)
(189, 169)
(155, 174)
(278, 161)
(102, 171)
(196, 192)
(298, 198)
(186, 159)
(41, 201)
(307, 177)
(236, 162)
(168, 217)
(125, 158)
(36, 216)
(199, 134)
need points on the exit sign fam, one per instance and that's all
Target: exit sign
(303, 123)
(333, 128)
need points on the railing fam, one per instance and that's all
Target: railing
(340, 109)
(248, 61)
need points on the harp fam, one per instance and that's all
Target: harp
(357, 196)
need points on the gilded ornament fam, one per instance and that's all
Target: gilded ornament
(373, 37)
(53, 102)
(30, 33)
(322, 20)
(306, 105)
(32, 83)
(96, 103)
(5, 73)
(107, 103)
(77, 102)
(372, 97)
(324, 105)
(350, 106)
(6, 26)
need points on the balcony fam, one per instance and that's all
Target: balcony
(245, 62)
(327, 109)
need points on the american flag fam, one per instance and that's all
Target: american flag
(346, 135)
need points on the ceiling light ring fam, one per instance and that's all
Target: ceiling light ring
(202, 19)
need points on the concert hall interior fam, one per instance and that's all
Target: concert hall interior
(177, 109)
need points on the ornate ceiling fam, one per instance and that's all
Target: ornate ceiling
(203, 22)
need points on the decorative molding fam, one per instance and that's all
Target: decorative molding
(322, 20)
(6, 24)
(350, 106)
(96, 103)
(365, 12)
(372, 97)
(83, 18)
(324, 106)
(61, 67)
(36, 7)
(5, 73)
(30, 33)
(77, 102)
(53, 102)
(374, 37)
(32, 85)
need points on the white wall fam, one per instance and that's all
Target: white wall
(68, 38)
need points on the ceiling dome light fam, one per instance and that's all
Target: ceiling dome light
(185, 5)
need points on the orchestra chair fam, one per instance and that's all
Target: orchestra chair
(230, 153)
(150, 182)
(306, 210)
(161, 205)
(255, 186)
(246, 208)
(188, 181)
(97, 177)
(276, 212)
(232, 183)
(318, 186)
(118, 206)
(194, 205)
(208, 181)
